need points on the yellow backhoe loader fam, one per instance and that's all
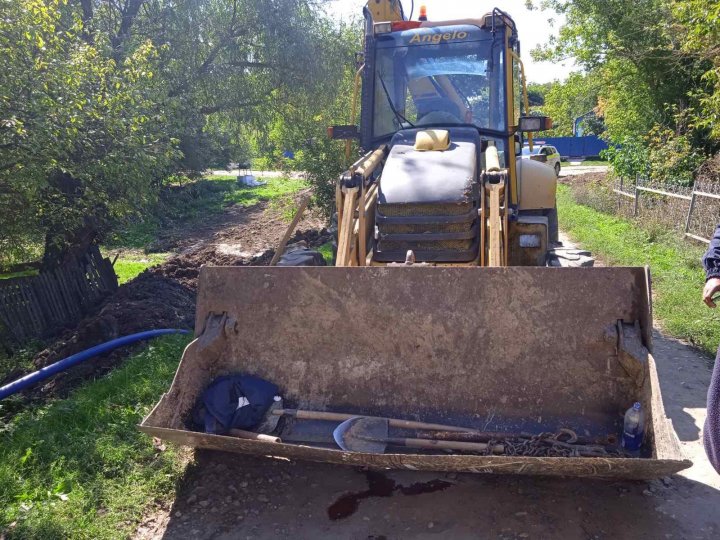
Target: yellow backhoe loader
(451, 300)
(441, 122)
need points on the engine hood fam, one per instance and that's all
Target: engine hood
(413, 177)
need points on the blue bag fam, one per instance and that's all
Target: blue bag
(234, 402)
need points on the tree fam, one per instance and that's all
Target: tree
(653, 77)
(100, 100)
(700, 21)
(81, 134)
(301, 123)
(537, 93)
(566, 101)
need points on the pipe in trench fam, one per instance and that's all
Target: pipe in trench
(61, 365)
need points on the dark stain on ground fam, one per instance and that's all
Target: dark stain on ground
(380, 485)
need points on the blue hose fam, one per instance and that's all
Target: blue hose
(48, 371)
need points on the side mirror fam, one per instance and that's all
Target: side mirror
(530, 124)
(343, 132)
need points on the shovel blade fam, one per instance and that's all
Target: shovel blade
(270, 422)
(361, 434)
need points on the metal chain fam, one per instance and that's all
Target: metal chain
(550, 445)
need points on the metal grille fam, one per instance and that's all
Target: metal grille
(425, 228)
(450, 245)
(408, 210)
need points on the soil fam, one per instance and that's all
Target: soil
(596, 178)
(164, 296)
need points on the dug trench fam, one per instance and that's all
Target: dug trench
(164, 296)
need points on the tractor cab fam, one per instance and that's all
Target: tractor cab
(435, 77)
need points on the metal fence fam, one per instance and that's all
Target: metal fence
(32, 306)
(695, 210)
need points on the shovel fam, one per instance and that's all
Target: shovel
(276, 411)
(370, 435)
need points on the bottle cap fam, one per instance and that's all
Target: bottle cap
(637, 406)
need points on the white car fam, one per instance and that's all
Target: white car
(543, 153)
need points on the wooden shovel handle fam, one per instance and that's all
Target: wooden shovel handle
(251, 435)
(291, 228)
(341, 417)
(446, 445)
(313, 415)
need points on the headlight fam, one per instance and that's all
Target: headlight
(529, 241)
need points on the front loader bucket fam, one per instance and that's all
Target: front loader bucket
(504, 350)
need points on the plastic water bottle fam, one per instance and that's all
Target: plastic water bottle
(634, 428)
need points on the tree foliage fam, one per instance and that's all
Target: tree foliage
(656, 67)
(569, 100)
(537, 93)
(80, 132)
(300, 124)
(100, 100)
(700, 21)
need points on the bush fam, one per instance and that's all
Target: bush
(671, 157)
(628, 159)
(323, 162)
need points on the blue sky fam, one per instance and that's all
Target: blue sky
(533, 26)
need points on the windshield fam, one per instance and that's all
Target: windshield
(535, 151)
(439, 81)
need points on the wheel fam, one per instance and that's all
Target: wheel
(557, 169)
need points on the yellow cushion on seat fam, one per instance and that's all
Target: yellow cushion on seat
(432, 140)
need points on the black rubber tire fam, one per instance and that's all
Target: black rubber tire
(557, 169)
(553, 226)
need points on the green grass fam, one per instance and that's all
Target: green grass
(130, 265)
(79, 468)
(275, 190)
(21, 360)
(24, 273)
(137, 234)
(326, 250)
(678, 276)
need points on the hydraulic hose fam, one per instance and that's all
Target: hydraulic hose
(48, 371)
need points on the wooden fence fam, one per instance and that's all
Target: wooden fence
(696, 223)
(30, 307)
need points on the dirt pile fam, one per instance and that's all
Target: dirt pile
(148, 302)
(185, 268)
(160, 297)
(587, 179)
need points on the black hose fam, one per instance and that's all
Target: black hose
(412, 10)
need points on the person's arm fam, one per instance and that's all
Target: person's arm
(711, 262)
